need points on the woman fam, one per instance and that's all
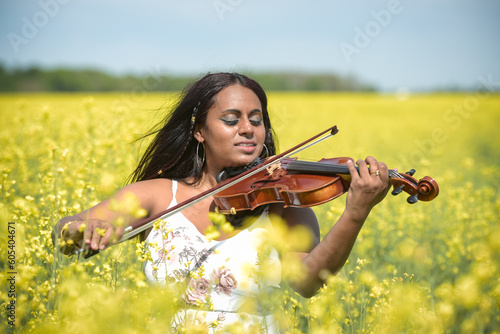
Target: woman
(222, 121)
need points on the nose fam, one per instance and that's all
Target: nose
(246, 129)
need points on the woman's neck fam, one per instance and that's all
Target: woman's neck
(207, 180)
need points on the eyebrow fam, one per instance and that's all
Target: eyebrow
(239, 111)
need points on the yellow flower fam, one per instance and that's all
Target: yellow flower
(100, 231)
(158, 224)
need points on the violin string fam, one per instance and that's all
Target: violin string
(395, 174)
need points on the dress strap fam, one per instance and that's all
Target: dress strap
(174, 188)
(174, 193)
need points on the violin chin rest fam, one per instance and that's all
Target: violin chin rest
(234, 171)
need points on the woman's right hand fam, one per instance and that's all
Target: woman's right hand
(104, 224)
(74, 233)
(66, 234)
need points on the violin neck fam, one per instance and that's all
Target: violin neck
(319, 168)
(323, 168)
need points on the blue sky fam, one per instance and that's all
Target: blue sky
(406, 44)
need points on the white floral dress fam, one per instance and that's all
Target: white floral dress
(215, 277)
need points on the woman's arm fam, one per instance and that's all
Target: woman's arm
(103, 224)
(366, 190)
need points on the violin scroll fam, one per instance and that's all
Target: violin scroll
(425, 189)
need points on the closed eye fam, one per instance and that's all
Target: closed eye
(230, 122)
(256, 122)
(233, 116)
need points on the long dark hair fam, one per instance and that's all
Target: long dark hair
(172, 153)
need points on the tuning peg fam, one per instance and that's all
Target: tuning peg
(411, 172)
(397, 190)
(412, 199)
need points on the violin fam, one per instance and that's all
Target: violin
(286, 180)
(298, 183)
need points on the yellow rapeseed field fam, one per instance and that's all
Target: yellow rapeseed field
(431, 267)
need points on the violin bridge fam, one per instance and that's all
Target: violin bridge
(271, 169)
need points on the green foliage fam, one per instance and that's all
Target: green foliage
(35, 79)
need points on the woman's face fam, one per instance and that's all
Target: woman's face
(234, 131)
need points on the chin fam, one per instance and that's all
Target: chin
(243, 161)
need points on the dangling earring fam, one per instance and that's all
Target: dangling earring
(267, 151)
(198, 163)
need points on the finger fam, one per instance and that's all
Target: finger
(352, 169)
(384, 173)
(96, 238)
(77, 233)
(73, 235)
(87, 235)
(363, 168)
(107, 236)
(64, 234)
(374, 165)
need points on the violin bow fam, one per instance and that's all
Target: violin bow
(133, 229)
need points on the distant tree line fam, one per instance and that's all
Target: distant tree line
(35, 79)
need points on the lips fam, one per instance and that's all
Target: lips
(246, 146)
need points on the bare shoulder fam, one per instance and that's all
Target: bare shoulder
(152, 193)
(298, 217)
(148, 185)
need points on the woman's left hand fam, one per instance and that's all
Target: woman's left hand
(368, 187)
